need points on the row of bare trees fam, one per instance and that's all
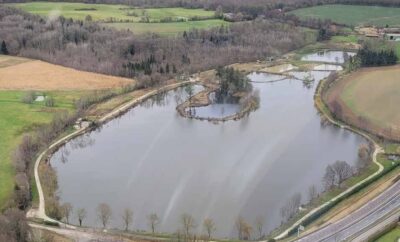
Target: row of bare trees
(188, 223)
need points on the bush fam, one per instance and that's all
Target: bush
(29, 97)
(49, 102)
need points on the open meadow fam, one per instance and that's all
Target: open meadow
(164, 21)
(64, 85)
(353, 15)
(371, 95)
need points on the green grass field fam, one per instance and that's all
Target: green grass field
(167, 29)
(18, 118)
(353, 15)
(383, 88)
(104, 12)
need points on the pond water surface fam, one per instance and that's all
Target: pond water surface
(329, 56)
(154, 161)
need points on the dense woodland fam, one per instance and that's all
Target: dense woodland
(90, 47)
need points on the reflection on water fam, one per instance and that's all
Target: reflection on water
(218, 107)
(154, 161)
(338, 57)
(215, 110)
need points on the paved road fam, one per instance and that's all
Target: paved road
(377, 227)
(361, 219)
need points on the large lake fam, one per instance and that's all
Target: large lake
(153, 160)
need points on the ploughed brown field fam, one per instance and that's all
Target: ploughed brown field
(24, 74)
(370, 99)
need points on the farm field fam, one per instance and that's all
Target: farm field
(380, 106)
(167, 29)
(353, 15)
(18, 74)
(39, 75)
(126, 17)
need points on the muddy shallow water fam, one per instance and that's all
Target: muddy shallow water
(153, 160)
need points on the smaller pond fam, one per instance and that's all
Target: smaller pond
(216, 109)
(338, 57)
(328, 67)
(393, 157)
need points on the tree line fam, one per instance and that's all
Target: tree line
(104, 215)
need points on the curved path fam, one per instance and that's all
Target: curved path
(40, 212)
(377, 150)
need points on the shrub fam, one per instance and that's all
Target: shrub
(29, 97)
(49, 102)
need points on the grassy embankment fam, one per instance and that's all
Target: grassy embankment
(18, 118)
(122, 14)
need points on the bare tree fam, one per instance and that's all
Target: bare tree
(153, 221)
(127, 217)
(66, 209)
(363, 157)
(329, 178)
(104, 214)
(14, 226)
(209, 226)
(291, 207)
(243, 228)
(188, 223)
(259, 224)
(312, 193)
(239, 226)
(342, 171)
(81, 214)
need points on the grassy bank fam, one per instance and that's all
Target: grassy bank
(352, 14)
